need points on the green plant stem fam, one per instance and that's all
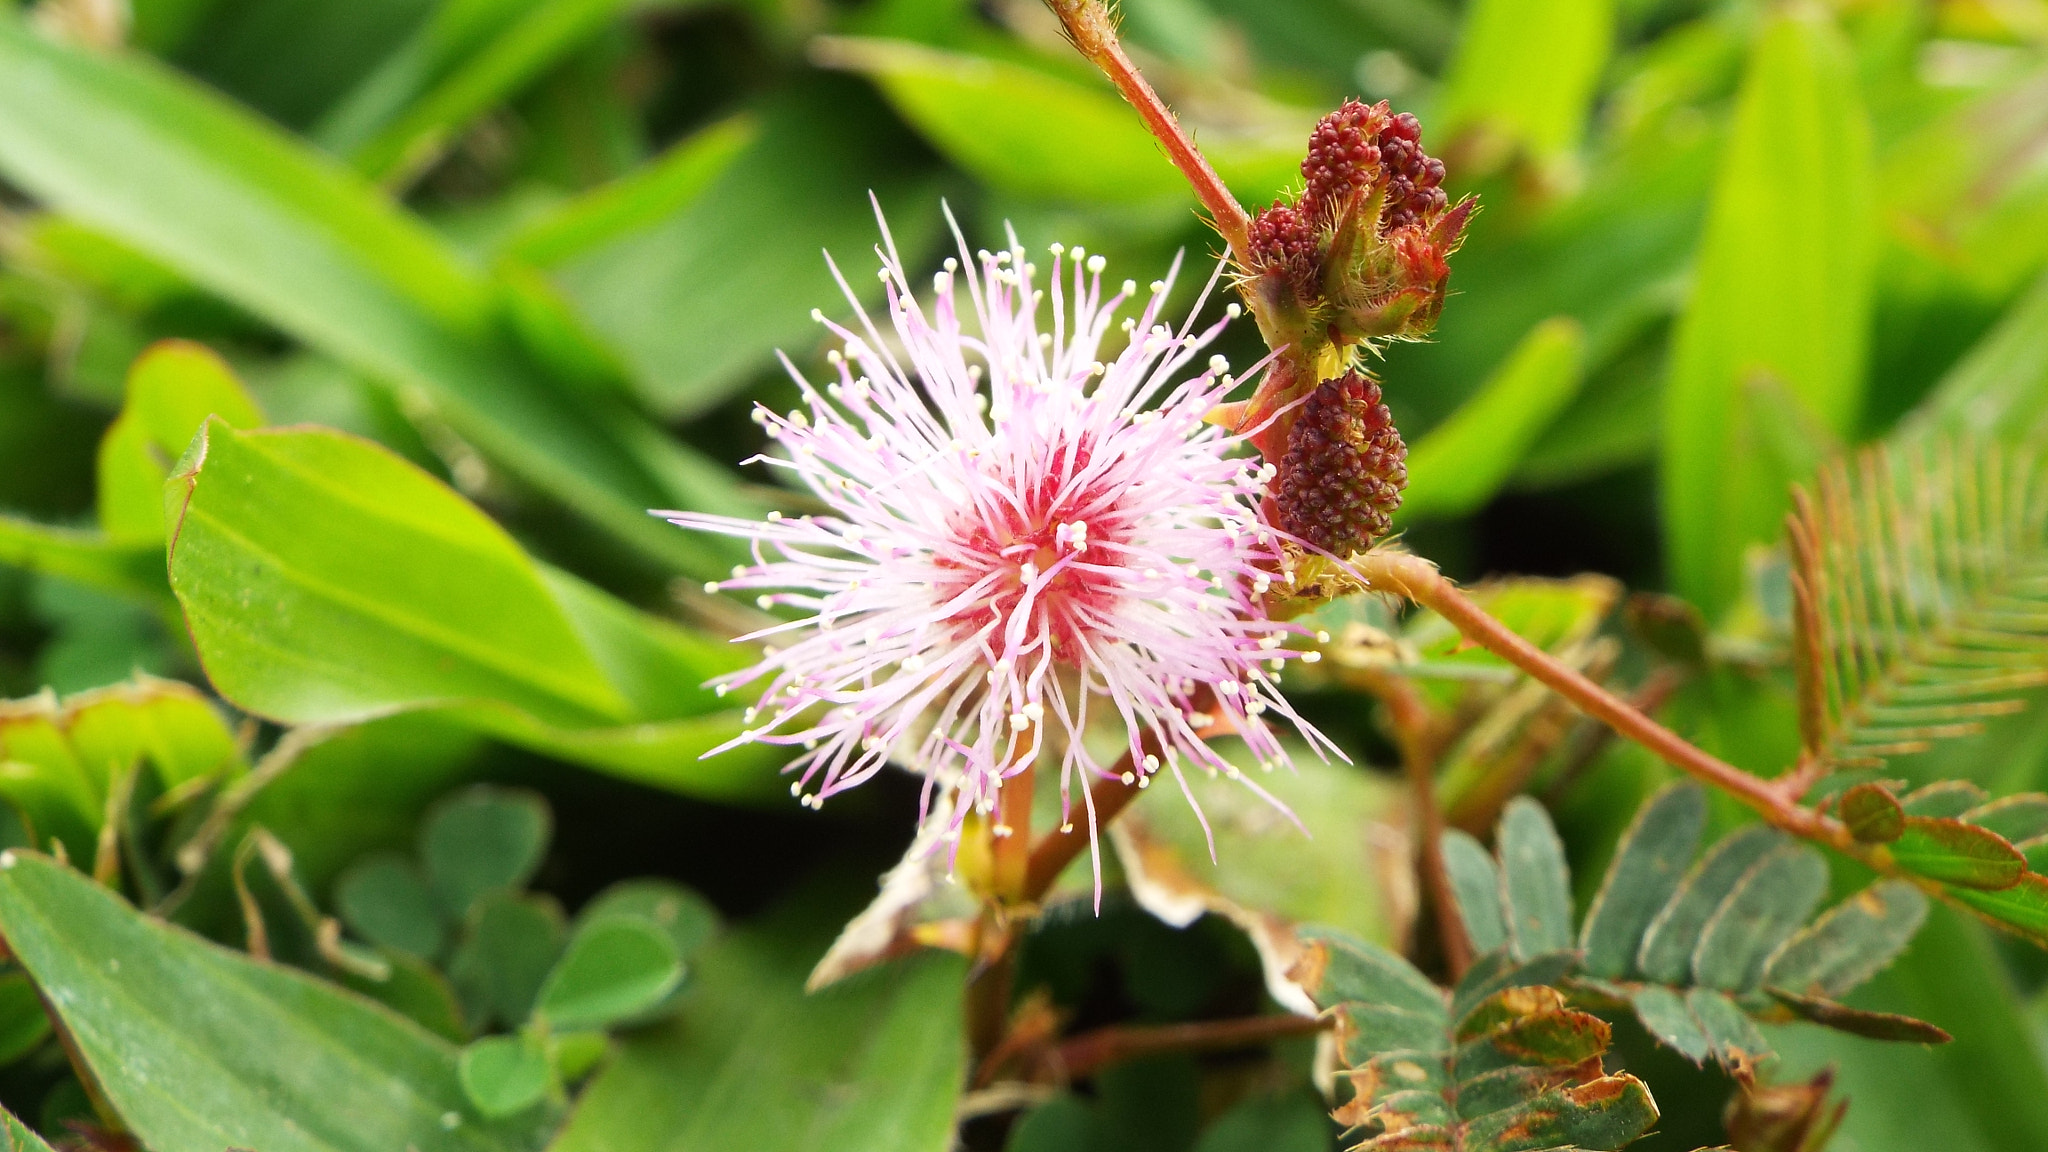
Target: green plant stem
(1418, 580)
(1093, 32)
(1090, 1052)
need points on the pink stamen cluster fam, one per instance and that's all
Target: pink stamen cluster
(1023, 539)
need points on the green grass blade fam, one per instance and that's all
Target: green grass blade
(1782, 289)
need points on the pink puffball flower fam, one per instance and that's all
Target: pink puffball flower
(1021, 537)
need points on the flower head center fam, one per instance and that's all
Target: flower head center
(1034, 565)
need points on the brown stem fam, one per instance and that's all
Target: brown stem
(1413, 730)
(1107, 798)
(1418, 580)
(988, 992)
(1436, 878)
(1656, 690)
(1089, 26)
(1090, 1052)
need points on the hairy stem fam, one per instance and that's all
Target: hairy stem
(1092, 30)
(1418, 580)
(1090, 1052)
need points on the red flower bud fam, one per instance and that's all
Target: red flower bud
(1345, 466)
(1361, 254)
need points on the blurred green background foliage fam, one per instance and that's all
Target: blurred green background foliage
(540, 256)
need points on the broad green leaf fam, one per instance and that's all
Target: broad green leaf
(1034, 134)
(576, 1054)
(873, 1063)
(1957, 853)
(250, 214)
(1792, 210)
(393, 588)
(541, 35)
(1770, 902)
(504, 1075)
(170, 724)
(172, 388)
(510, 942)
(383, 590)
(1064, 1123)
(1461, 463)
(1476, 886)
(199, 1048)
(700, 298)
(127, 568)
(483, 840)
(1647, 868)
(1536, 894)
(1872, 814)
(615, 968)
(383, 899)
(1851, 943)
(1668, 946)
(1525, 71)
(58, 760)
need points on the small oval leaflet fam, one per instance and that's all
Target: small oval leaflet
(613, 969)
(503, 1075)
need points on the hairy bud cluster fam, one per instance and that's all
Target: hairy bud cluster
(1345, 466)
(1361, 254)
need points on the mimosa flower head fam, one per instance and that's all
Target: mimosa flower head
(1023, 540)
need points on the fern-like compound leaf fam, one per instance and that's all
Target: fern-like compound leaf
(1920, 595)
